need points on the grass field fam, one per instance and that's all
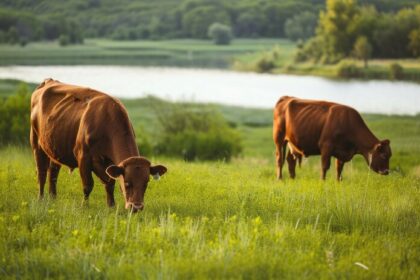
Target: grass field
(220, 220)
(185, 53)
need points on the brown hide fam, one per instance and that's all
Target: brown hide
(84, 128)
(311, 127)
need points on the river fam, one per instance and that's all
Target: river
(227, 87)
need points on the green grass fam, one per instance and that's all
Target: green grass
(185, 53)
(282, 63)
(219, 220)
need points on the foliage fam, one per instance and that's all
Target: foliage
(390, 35)
(335, 28)
(198, 20)
(63, 40)
(195, 135)
(301, 26)
(220, 33)
(22, 27)
(14, 117)
(348, 70)
(396, 71)
(414, 45)
(363, 49)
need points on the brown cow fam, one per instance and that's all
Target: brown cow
(84, 128)
(311, 127)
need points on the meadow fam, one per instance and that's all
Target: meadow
(222, 220)
(180, 52)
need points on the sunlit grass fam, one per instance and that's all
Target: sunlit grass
(213, 220)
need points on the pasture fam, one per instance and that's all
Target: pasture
(180, 52)
(222, 220)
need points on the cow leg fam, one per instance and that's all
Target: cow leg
(109, 183)
(42, 161)
(53, 175)
(326, 162)
(279, 141)
(280, 157)
(85, 169)
(339, 166)
(291, 162)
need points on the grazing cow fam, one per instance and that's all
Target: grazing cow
(311, 127)
(84, 128)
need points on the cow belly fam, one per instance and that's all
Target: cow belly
(303, 146)
(59, 153)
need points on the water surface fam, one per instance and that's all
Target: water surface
(227, 87)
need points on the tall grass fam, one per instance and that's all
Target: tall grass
(213, 220)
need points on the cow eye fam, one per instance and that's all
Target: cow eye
(127, 184)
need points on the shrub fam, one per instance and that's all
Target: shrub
(64, 40)
(396, 71)
(348, 70)
(196, 135)
(266, 61)
(220, 33)
(14, 117)
(265, 64)
(143, 142)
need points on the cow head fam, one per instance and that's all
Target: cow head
(134, 174)
(379, 157)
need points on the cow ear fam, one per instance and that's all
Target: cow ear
(385, 142)
(157, 171)
(114, 171)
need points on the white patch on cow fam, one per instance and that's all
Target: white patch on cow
(156, 176)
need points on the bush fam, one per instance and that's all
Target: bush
(196, 135)
(143, 142)
(64, 40)
(396, 71)
(220, 33)
(265, 64)
(348, 70)
(14, 117)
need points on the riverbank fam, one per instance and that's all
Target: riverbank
(180, 53)
(277, 61)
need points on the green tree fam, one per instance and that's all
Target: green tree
(12, 35)
(414, 44)
(197, 21)
(301, 26)
(249, 23)
(363, 49)
(220, 33)
(335, 28)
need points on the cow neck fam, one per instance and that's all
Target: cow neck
(367, 142)
(123, 146)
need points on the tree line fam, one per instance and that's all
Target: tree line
(22, 21)
(348, 29)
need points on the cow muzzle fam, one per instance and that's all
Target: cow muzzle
(384, 172)
(134, 207)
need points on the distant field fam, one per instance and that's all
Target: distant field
(221, 220)
(185, 53)
(279, 60)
